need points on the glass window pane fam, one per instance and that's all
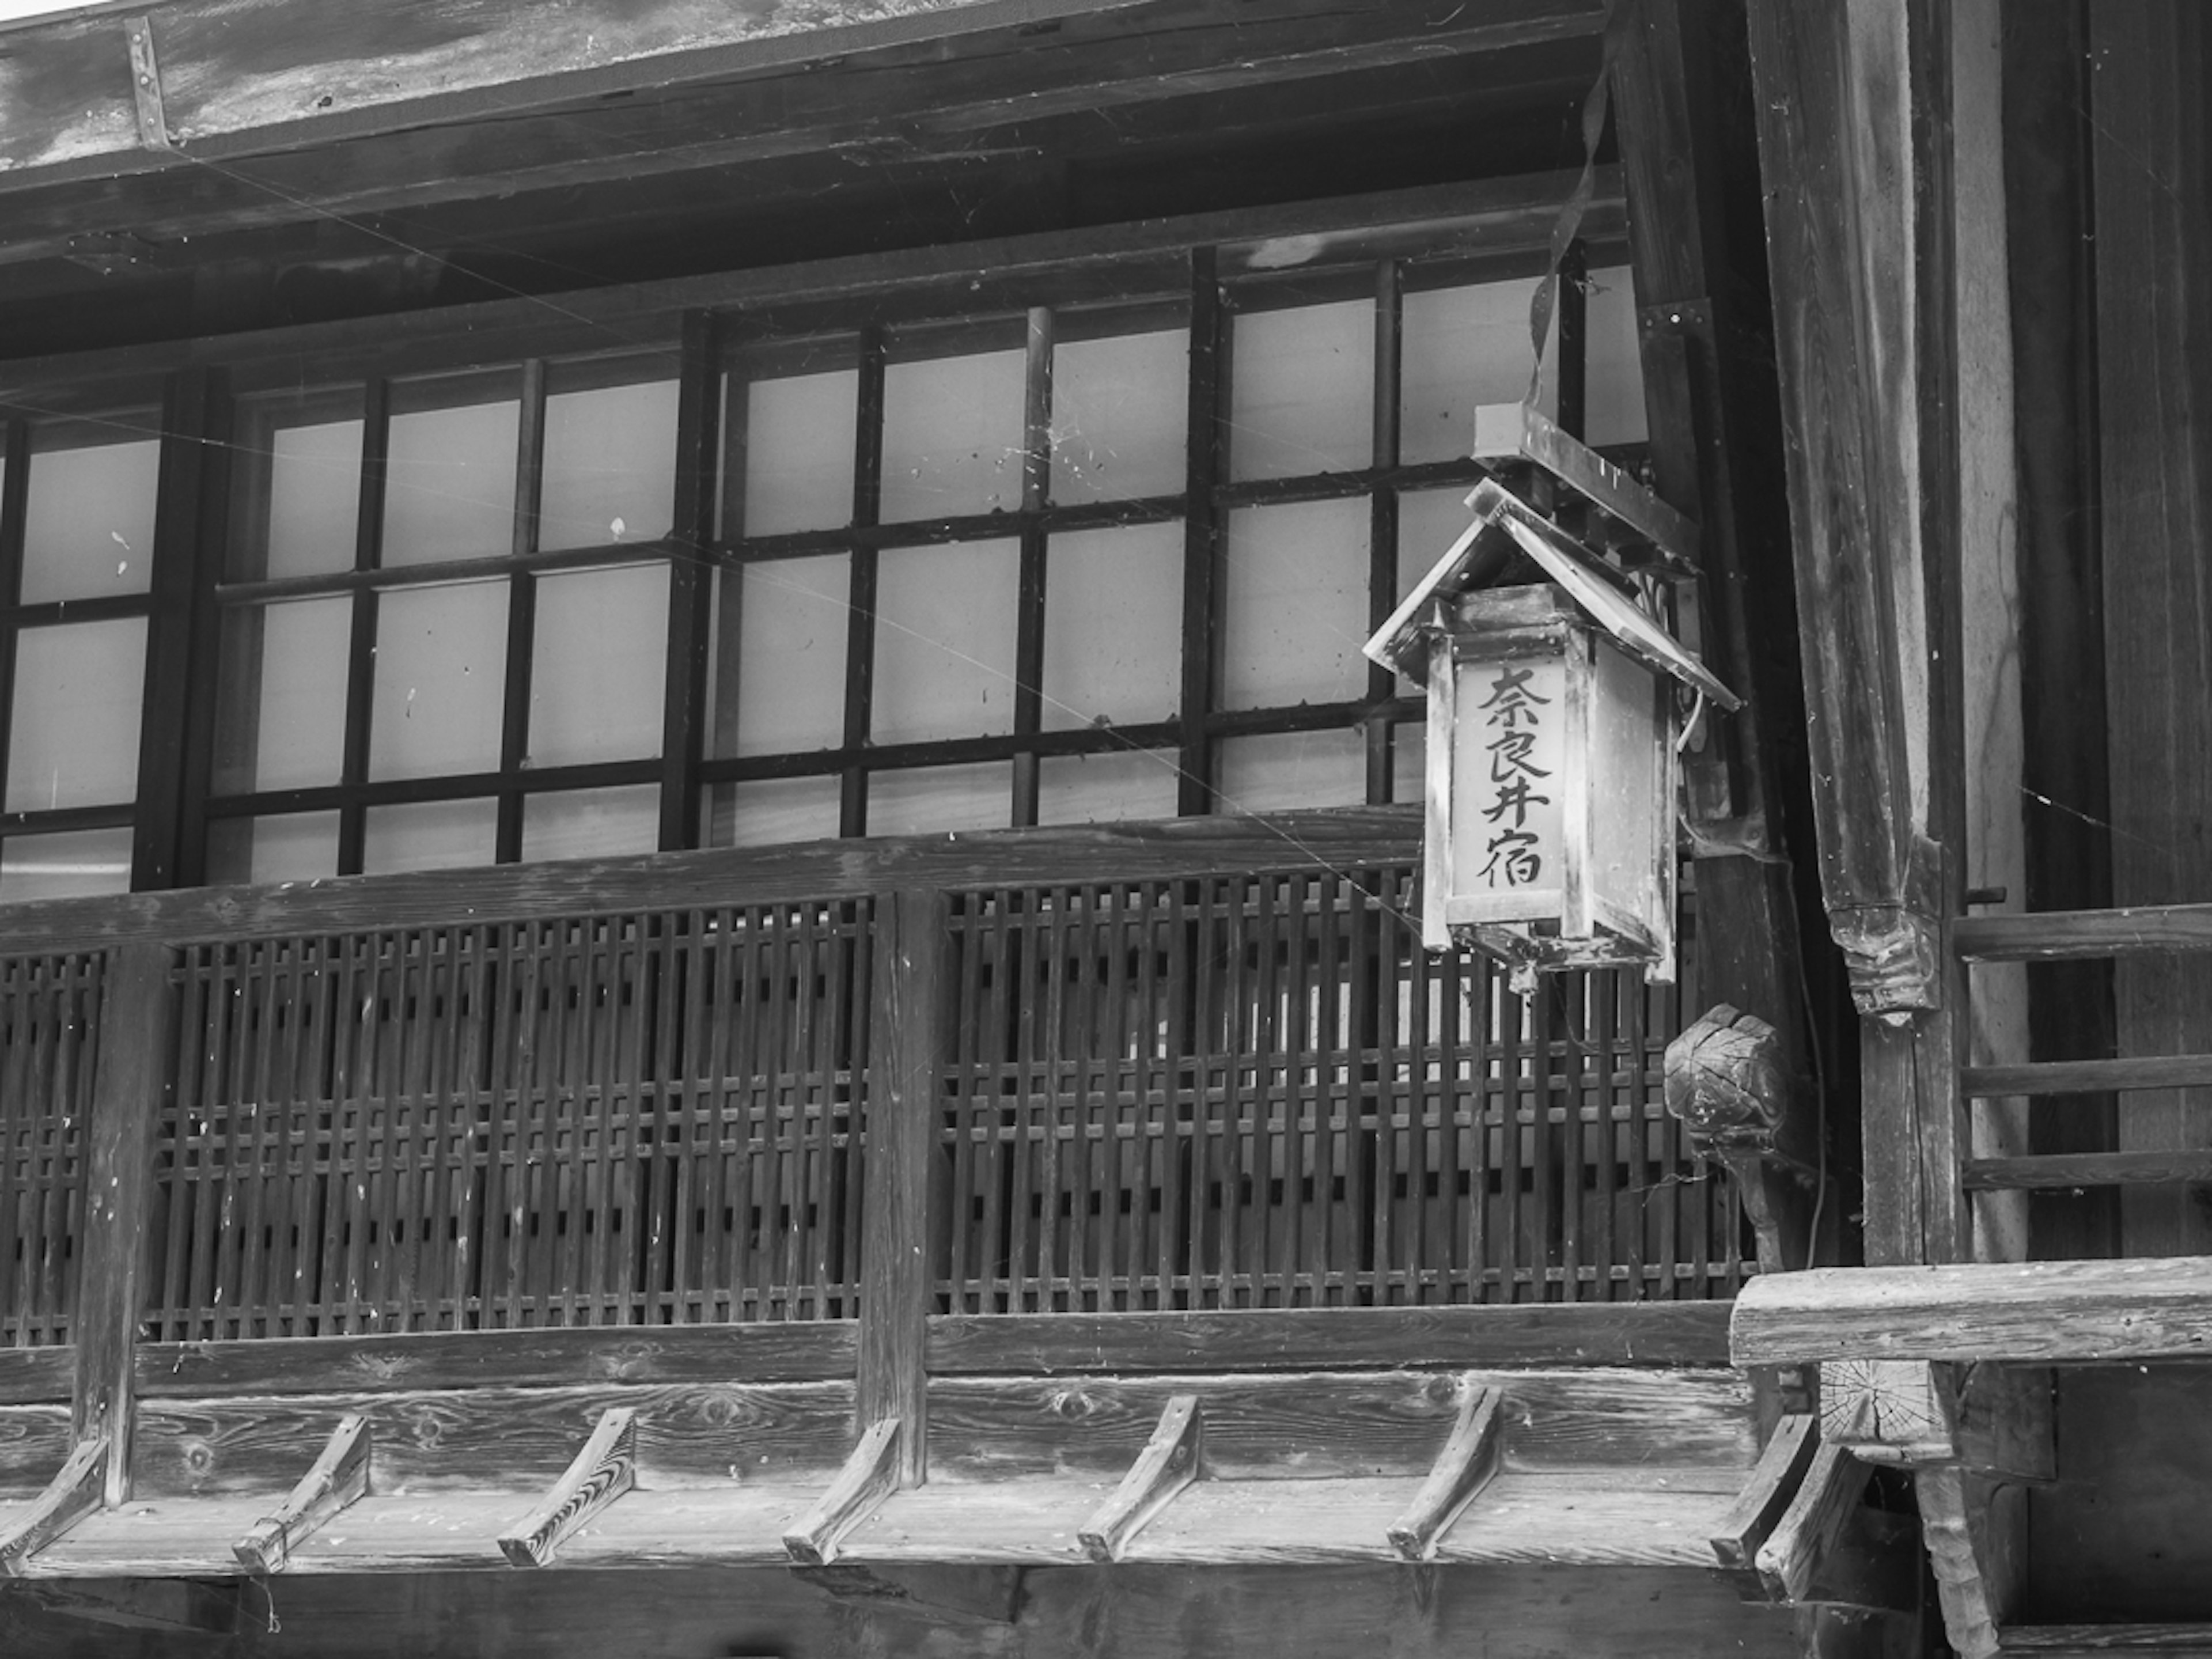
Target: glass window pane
(1106, 788)
(88, 521)
(1429, 522)
(952, 435)
(1295, 608)
(1120, 412)
(74, 738)
(440, 667)
(799, 435)
(610, 470)
(1283, 770)
(588, 822)
(428, 835)
(945, 641)
(781, 688)
(598, 666)
(77, 864)
(1613, 360)
(1461, 347)
(1113, 626)
(1302, 391)
(1409, 762)
(299, 486)
(297, 846)
(449, 482)
(934, 799)
(284, 695)
(769, 812)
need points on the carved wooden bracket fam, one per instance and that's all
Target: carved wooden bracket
(71, 1495)
(338, 1477)
(870, 1475)
(1464, 1468)
(1172, 1458)
(1893, 956)
(601, 1471)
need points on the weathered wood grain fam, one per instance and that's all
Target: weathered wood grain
(2076, 1077)
(28, 1375)
(2083, 935)
(1172, 1458)
(34, 1441)
(1977, 1578)
(605, 1469)
(2060, 1172)
(492, 1439)
(1774, 1482)
(1467, 1463)
(1792, 1555)
(1318, 1338)
(1308, 1426)
(2082, 1641)
(2038, 1312)
(782, 1351)
(870, 1475)
(72, 1494)
(338, 1477)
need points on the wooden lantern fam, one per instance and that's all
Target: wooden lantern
(1552, 780)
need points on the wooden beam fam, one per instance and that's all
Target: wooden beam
(339, 1477)
(909, 1035)
(137, 1043)
(1171, 1460)
(1978, 1555)
(1990, 1418)
(2076, 1077)
(1792, 1557)
(2083, 935)
(1470, 1458)
(2072, 1171)
(2090, 1641)
(171, 1607)
(71, 1495)
(604, 1470)
(2039, 1312)
(1780, 1471)
(871, 1475)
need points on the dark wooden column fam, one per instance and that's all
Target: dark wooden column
(137, 1047)
(908, 1045)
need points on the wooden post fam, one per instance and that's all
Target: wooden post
(908, 1044)
(137, 1044)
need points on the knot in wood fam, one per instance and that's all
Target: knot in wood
(198, 1458)
(1071, 1405)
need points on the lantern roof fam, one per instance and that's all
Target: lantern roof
(1604, 594)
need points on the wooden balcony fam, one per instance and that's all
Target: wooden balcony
(761, 1151)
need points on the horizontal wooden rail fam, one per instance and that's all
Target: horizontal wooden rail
(814, 871)
(2091, 1641)
(2078, 935)
(2062, 1171)
(2028, 1312)
(2084, 1077)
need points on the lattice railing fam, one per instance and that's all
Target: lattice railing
(644, 1118)
(49, 1017)
(1259, 1092)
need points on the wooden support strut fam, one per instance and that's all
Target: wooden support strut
(871, 1475)
(338, 1478)
(1775, 1482)
(1465, 1467)
(1810, 1524)
(1172, 1458)
(71, 1495)
(603, 1471)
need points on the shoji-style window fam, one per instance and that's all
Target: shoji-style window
(446, 621)
(76, 539)
(1112, 560)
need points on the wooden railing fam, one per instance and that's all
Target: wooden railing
(1201, 1067)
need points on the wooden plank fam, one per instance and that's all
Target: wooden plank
(1174, 1457)
(137, 1045)
(910, 1034)
(2062, 1171)
(1313, 1339)
(870, 1475)
(31, 1376)
(337, 1478)
(1744, 1530)
(2083, 935)
(1469, 1459)
(2036, 1311)
(1792, 1557)
(816, 870)
(2082, 1641)
(2073, 1077)
(603, 1471)
(71, 1495)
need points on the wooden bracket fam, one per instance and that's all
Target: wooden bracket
(1974, 1549)
(1810, 1523)
(146, 84)
(1993, 1419)
(72, 1494)
(1469, 1459)
(1775, 1482)
(603, 1471)
(870, 1475)
(1172, 1458)
(339, 1477)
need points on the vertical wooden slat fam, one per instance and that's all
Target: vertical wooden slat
(138, 1051)
(522, 607)
(690, 581)
(908, 1048)
(1202, 530)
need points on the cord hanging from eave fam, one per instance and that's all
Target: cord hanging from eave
(1570, 222)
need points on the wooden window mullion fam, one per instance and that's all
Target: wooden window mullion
(690, 581)
(1036, 489)
(1381, 732)
(860, 637)
(14, 508)
(360, 656)
(1202, 538)
(521, 609)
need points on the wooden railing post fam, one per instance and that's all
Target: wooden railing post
(910, 1034)
(137, 1044)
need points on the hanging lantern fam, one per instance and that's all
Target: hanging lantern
(1553, 728)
